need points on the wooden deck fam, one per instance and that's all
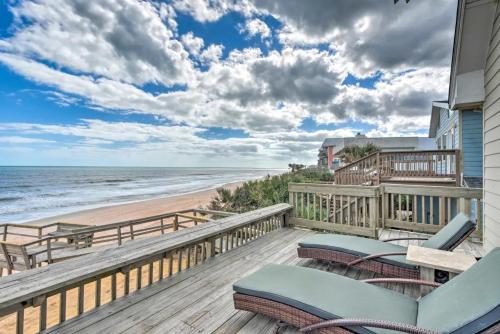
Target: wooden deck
(199, 300)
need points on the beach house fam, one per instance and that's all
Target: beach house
(332, 150)
(475, 85)
(460, 129)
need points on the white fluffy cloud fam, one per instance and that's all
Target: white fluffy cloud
(167, 142)
(124, 40)
(103, 52)
(256, 27)
(192, 43)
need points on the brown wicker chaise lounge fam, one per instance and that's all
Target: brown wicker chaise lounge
(382, 257)
(312, 299)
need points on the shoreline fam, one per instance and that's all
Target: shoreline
(136, 209)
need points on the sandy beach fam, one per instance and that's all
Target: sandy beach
(107, 215)
(135, 210)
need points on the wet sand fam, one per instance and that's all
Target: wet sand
(135, 210)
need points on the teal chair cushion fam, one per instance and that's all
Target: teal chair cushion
(329, 296)
(358, 246)
(449, 235)
(468, 303)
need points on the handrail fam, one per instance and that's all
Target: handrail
(98, 228)
(32, 288)
(351, 164)
(381, 166)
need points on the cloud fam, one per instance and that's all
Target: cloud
(102, 54)
(192, 43)
(124, 40)
(139, 140)
(256, 27)
(23, 140)
(108, 131)
(212, 53)
(370, 34)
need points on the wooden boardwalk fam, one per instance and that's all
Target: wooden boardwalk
(199, 300)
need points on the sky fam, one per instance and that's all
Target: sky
(222, 83)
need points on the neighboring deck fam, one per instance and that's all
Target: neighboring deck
(199, 300)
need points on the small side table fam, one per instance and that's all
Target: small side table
(429, 260)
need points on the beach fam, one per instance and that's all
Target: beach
(100, 195)
(102, 216)
(135, 210)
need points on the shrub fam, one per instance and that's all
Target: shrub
(271, 190)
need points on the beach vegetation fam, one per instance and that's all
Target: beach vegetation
(271, 190)
(356, 152)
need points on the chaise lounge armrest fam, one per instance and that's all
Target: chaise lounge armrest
(406, 238)
(374, 256)
(404, 328)
(401, 281)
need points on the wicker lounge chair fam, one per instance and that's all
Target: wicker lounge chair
(378, 256)
(312, 299)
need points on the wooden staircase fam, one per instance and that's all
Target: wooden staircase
(437, 167)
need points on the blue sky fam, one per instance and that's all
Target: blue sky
(219, 83)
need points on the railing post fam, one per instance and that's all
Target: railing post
(286, 219)
(384, 206)
(373, 216)
(119, 235)
(40, 235)
(176, 223)
(458, 171)
(4, 236)
(49, 251)
(378, 168)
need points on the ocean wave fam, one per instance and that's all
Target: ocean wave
(10, 198)
(109, 181)
(16, 186)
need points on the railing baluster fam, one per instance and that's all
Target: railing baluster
(160, 266)
(126, 283)
(113, 286)
(138, 278)
(407, 208)
(424, 213)
(170, 263)
(431, 209)
(20, 321)
(341, 209)
(43, 315)
(62, 306)
(98, 293)
(81, 298)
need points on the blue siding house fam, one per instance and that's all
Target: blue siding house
(462, 130)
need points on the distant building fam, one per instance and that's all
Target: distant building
(462, 130)
(331, 151)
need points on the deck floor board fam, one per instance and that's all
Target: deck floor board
(199, 300)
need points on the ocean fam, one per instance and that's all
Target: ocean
(28, 193)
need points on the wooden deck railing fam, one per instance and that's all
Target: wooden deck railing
(27, 293)
(383, 167)
(429, 208)
(37, 231)
(78, 236)
(361, 210)
(344, 209)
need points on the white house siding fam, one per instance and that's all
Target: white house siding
(491, 141)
